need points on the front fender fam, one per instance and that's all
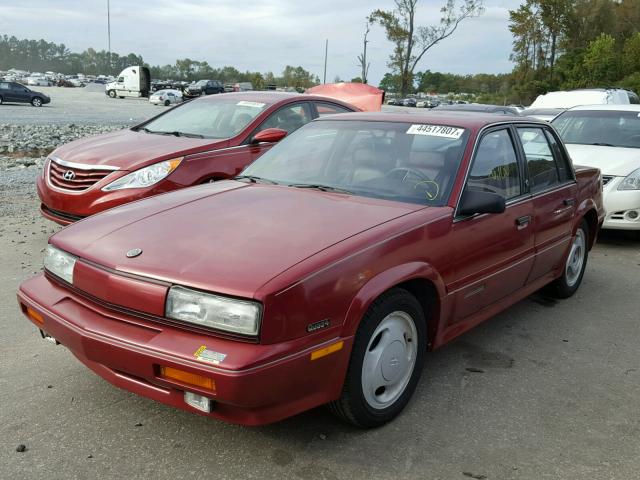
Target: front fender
(384, 281)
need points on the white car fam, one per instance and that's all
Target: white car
(608, 137)
(166, 97)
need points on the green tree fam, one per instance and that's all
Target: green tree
(602, 61)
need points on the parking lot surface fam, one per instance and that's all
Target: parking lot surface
(548, 389)
(83, 105)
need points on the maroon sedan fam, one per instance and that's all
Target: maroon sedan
(210, 138)
(325, 272)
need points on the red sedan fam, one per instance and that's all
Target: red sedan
(325, 271)
(210, 138)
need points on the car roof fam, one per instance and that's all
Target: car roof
(463, 119)
(609, 107)
(476, 107)
(272, 97)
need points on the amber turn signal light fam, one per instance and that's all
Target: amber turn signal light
(323, 352)
(171, 373)
(33, 315)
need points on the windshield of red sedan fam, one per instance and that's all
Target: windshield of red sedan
(207, 118)
(408, 162)
(600, 127)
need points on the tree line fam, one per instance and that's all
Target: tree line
(41, 56)
(565, 44)
(557, 44)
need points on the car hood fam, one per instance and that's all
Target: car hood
(129, 150)
(227, 237)
(616, 161)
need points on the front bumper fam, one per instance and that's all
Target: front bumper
(621, 206)
(255, 384)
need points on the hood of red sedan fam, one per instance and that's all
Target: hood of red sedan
(130, 150)
(226, 237)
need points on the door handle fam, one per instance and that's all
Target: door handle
(523, 221)
(569, 201)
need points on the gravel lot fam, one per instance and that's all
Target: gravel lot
(545, 390)
(81, 106)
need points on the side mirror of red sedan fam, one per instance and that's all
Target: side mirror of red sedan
(269, 135)
(474, 201)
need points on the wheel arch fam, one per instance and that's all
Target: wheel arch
(591, 217)
(418, 278)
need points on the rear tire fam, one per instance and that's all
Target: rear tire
(386, 361)
(574, 266)
(0, 100)
(36, 101)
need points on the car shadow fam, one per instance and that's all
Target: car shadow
(620, 238)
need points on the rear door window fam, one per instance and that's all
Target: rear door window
(325, 108)
(541, 164)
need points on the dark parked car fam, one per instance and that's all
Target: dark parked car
(480, 108)
(409, 102)
(205, 87)
(12, 92)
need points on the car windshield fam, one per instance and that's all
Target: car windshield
(415, 163)
(208, 117)
(600, 127)
(201, 83)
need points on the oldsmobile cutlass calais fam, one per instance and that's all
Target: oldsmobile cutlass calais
(326, 271)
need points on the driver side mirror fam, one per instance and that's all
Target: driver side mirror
(269, 135)
(474, 201)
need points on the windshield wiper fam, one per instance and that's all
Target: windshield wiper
(181, 134)
(324, 188)
(254, 179)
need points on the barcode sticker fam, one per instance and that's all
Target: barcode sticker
(436, 131)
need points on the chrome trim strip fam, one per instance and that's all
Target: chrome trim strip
(81, 166)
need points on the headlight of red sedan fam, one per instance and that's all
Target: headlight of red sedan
(59, 263)
(145, 177)
(214, 311)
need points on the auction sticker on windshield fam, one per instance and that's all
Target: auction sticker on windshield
(245, 103)
(436, 131)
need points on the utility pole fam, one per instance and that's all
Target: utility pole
(326, 50)
(109, 33)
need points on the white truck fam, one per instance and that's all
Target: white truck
(131, 82)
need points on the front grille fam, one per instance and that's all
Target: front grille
(78, 179)
(606, 179)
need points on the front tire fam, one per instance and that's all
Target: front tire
(167, 103)
(0, 100)
(36, 101)
(386, 361)
(574, 266)
(112, 94)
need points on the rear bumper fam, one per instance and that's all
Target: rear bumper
(267, 384)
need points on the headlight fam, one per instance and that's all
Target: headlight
(59, 263)
(213, 311)
(631, 181)
(145, 177)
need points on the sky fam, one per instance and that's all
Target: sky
(260, 36)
